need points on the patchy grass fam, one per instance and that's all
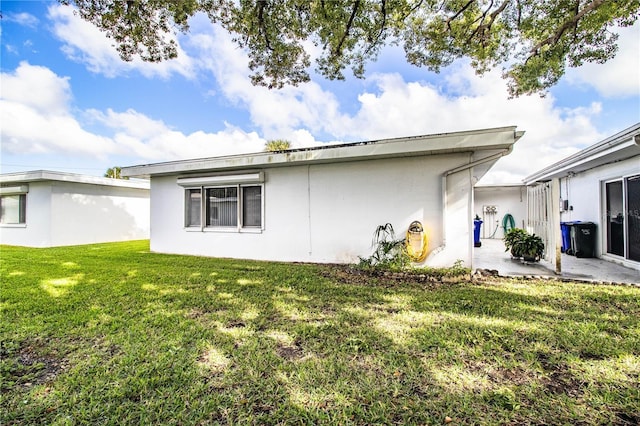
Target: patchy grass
(111, 333)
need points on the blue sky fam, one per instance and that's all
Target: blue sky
(69, 103)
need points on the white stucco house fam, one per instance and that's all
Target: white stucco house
(323, 204)
(599, 184)
(47, 208)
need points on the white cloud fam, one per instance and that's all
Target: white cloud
(389, 106)
(152, 139)
(618, 77)
(393, 107)
(84, 43)
(38, 118)
(34, 111)
(37, 87)
(23, 18)
(400, 108)
(276, 112)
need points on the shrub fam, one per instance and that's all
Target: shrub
(523, 244)
(389, 253)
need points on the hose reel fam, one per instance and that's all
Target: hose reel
(416, 242)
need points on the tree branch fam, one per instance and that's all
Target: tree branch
(374, 41)
(338, 49)
(458, 13)
(555, 37)
(487, 27)
(261, 5)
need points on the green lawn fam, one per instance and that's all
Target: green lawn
(114, 334)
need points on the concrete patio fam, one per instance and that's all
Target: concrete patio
(491, 256)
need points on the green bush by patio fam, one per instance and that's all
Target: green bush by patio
(114, 334)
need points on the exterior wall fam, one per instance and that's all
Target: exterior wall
(68, 213)
(506, 199)
(585, 193)
(100, 214)
(328, 212)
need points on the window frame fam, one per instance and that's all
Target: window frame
(187, 209)
(239, 227)
(20, 192)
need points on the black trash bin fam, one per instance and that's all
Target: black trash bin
(583, 239)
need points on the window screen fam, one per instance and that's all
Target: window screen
(252, 206)
(13, 209)
(222, 206)
(193, 207)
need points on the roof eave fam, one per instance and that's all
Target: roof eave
(48, 175)
(595, 155)
(468, 141)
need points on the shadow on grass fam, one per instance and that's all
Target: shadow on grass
(148, 338)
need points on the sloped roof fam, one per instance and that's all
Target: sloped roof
(621, 146)
(48, 175)
(443, 143)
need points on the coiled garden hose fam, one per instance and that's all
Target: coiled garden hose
(414, 232)
(508, 223)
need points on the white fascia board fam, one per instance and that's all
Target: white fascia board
(493, 186)
(624, 144)
(467, 141)
(47, 175)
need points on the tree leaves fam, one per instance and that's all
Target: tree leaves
(533, 41)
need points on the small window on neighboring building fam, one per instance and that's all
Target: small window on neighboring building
(13, 209)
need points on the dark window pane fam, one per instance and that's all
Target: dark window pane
(23, 208)
(633, 217)
(252, 206)
(193, 207)
(222, 206)
(615, 219)
(13, 209)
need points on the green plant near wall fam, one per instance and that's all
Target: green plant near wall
(389, 251)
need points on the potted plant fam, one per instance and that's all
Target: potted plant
(512, 241)
(532, 248)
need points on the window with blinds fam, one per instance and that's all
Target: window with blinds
(231, 206)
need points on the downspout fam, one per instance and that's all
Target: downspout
(493, 157)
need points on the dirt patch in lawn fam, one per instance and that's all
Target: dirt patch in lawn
(29, 363)
(428, 278)
(290, 352)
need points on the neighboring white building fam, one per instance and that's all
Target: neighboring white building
(46, 209)
(323, 204)
(600, 184)
(496, 205)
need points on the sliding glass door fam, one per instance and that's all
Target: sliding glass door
(633, 213)
(623, 217)
(615, 219)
